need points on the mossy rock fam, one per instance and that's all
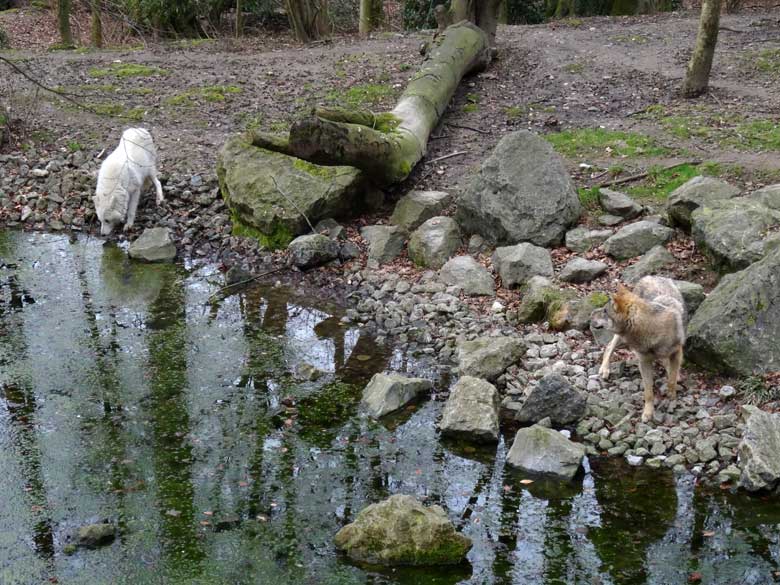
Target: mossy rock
(401, 531)
(271, 194)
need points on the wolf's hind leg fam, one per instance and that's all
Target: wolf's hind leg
(604, 369)
(675, 360)
(646, 369)
(157, 187)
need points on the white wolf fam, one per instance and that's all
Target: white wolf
(123, 176)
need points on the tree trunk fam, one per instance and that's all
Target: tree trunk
(308, 19)
(364, 24)
(698, 74)
(239, 18)
(97, 25)
(63, 19)
(388, 145)
(377, 14)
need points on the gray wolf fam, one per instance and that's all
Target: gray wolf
(651, 322)
(122, 178)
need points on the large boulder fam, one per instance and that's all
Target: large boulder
(470, 275)
(434, 242)
(516, 264)
(692, 293)
(652, 262)
(417, 207)
(759, 450)
(385, 243)
(769, 196)
(386, 393)
(153, 245)
(522, 193)
(696, 193)
(575, 313)
(541, 450)
(637, 238)
(401, 531)
(312, 250)
(552, 397)
(540, 299)
(737, 327)
(735, 233)
(471, 411)
(581, 239)
(271, 195)
(488, 357)
(619, 204)
(582, 270)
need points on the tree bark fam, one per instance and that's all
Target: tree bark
(698, 73)
(364, 24)
(97, 24)
(63, 20)
(308, 19)
(239, 18)
(388, 145)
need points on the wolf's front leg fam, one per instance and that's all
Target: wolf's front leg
(604, 369)
(157, 187)
(646, 369)
(132, 206)
(674, 372)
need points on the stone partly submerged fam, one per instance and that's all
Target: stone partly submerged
(95, 535)
(271, 195)
(759, 450)
(401, 531)
(312, 250)
(554, 398)
(153, 245)
(537, 449)
(522, 193)
(737, 327)
(387, 393)
(471, 411)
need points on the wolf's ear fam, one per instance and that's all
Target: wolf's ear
(622, 299)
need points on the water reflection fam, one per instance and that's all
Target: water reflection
(123, 397)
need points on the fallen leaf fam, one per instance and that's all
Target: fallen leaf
(205, 523)
(243, 483)
(173, 513)
(694, 577)
(208, 513)
(363, 357)
(526, 481)
(708, 533)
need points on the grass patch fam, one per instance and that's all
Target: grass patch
(660, 182)
(126, 70)
(117, 110)
(755, 135)
(758, 390)
(515, 112)
(74, 146)
(766, 61)
(588, 142)
(574, 68)
(633, 39)
(367, 94)
(589, 198)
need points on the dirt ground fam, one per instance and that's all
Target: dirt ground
(604, 90)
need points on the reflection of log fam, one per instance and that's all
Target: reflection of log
(388, 145)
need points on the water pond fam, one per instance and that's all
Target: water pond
(125, 396)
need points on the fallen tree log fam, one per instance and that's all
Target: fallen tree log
(388, 145)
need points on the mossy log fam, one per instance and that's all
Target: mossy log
(388, 145)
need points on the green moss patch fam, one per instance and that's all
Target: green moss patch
(660, 182)
(278, 239)
(209, 93)
(367, 94)
(595, 142)
(126, 70)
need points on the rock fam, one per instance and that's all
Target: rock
(540, 450)
(308, 372)
(522, 193)
(471, 411)
(610, 220)
(727, 392)
(734, 233)
(768, 196)
(651, 263)
(470, 275)
(697, 192)
(349, 251)
(737, 326)
(153, 245)
(385, 243)
(758, 451)
(692, 294)
(620, 204)
(637, 238)
(312, 250)
(417, 207)
(554, 398)
(634, 460)
(331, 228)
(386, 393)
(251, 178)
(488, 357)
(582, 239)
(477, 244)
(434, 242)
(95, 535)
(516, 264)
(540, 299)
(581, 270)
(576, 313)
(237, 275)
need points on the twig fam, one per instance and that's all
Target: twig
(247, 281)
(460, 152)
(451, 125)
(298, 209)
(638, 176)
(731, 29)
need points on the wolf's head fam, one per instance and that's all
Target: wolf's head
(618, 310)
(108, 216)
